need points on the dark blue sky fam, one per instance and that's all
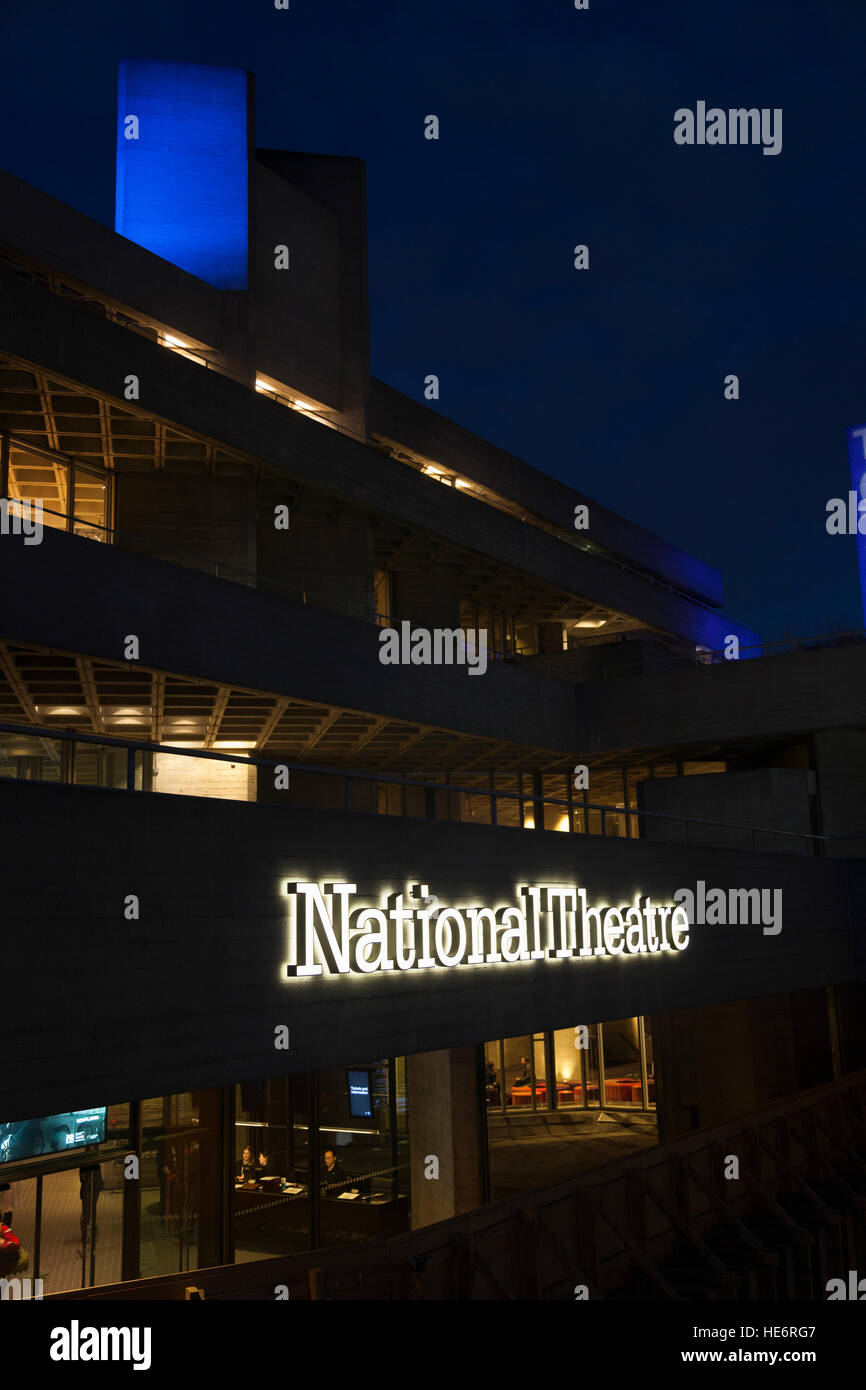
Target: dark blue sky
(557, 128)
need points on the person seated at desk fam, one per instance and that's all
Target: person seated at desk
(525, 1078)
(334, 1178)
(262, 1165)
(248, 1170)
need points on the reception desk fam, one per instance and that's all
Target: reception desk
(274, 1217)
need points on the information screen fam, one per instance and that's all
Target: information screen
(360, 1099)
(51, 1134)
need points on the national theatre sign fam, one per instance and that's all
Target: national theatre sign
(330, 935)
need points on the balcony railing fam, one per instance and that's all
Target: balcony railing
(28, 751)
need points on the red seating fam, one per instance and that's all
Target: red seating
(522, 1095)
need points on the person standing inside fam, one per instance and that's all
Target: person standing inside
(90, 1186)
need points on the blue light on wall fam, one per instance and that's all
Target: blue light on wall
(857, 461)
(182, 183)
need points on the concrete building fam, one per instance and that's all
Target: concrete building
(208, 771)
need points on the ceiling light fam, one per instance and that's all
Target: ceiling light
(591, 622)
(174, 342)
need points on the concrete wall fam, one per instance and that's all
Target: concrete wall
(776, 798)
(338, 184)
(429, 433)
(715, 1063)
(65, 243)
(840, 764)
(772, 696)
(188, 996)
(41, 328)
(329, 560)
(296, 312)
(75, 595)
(203, 522)
(173, 773)
(427, 604)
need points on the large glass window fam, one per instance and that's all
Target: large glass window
(72, 497)
(591, 1065)
(271, 1167)
(180, 1182)
(363, 1159)
(82, 1226)
(34, 478)
(622, 1069)
(567, 1054)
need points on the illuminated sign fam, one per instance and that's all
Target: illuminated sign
(857, 461)
(182, 166)
(328, 935)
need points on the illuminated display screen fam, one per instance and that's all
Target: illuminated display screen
(182, 166)
(360, 1100)
(51, 1134)
(857, 460)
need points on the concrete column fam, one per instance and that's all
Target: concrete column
(840, 763)
(445, 1122)
(426, 600)
(329, 561)
(550, 639)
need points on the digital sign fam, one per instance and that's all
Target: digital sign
(71, 1129)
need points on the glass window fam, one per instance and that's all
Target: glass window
(592, 1068)
(271, 1172)
(526, 639)
(382, 593)
(36, 478)
(492, 1076)
(569, 1078)
(362, 1162)
(650, 1063)
(622, 1071)
(90, 505)
(180, 1182)
(556, 786)
(81, 1238)
(18, 1210)
(30, 759)
(518, 1072)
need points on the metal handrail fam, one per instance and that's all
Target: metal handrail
(133, 746)
(783, 646)
(217, 565)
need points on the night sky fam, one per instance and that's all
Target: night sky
(557, 129)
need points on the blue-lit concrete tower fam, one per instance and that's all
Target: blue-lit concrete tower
(184, 154)
(857, 460)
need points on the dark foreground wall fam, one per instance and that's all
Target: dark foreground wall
(97, 1009)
